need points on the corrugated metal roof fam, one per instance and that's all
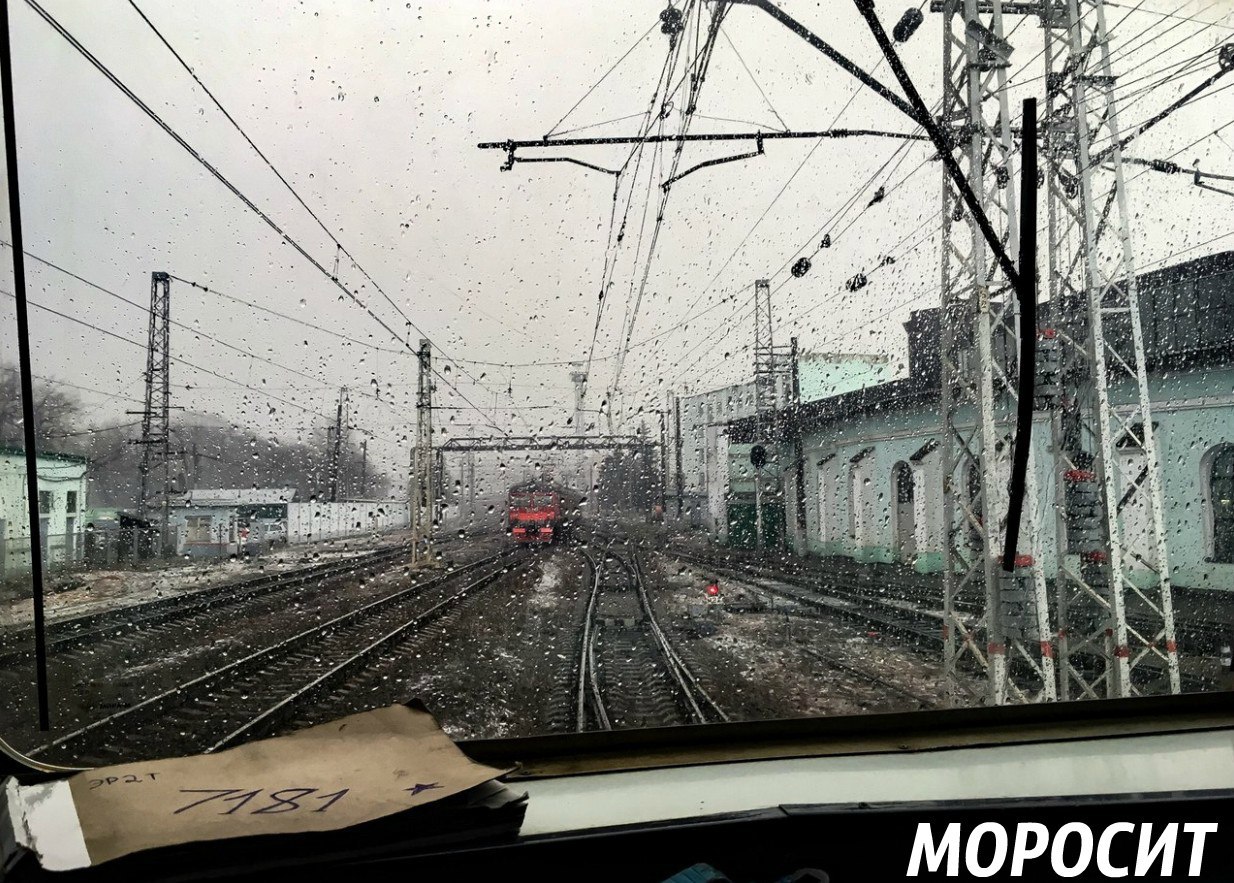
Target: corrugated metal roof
(260, 496)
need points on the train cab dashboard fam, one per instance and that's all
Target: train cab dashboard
(1048, 792)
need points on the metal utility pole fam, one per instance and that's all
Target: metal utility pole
(335, 438)
(770, 367)
(799, 458)
(422, 466)
(363, 469)
(680, 477)
(766, 369)
(470, 485)
(663, 462)
(155, 440)
(979, 350)
(1112, 545)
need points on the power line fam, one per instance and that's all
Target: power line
(93, 430)
(750, 74)
(175, 136)
(292, 190)
(189, 328)
(217, 293)
(750, 233)
(90, 389)
(603, 77)
(1172, 15)
(108, 333)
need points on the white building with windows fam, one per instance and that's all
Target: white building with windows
(62, 501)
(700, 477)
(870, 476)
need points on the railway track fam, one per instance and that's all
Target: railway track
(127, 625)
(628, 673)
(901, 616)
(1204, 617)
(254, 695)
(868, 677)
(899, 611)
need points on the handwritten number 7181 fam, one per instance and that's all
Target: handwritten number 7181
(283, 800)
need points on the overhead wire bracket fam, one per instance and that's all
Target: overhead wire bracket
(758, 151)
(511, 158)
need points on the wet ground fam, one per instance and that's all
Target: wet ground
(79, 592)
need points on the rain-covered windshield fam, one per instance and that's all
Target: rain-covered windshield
(575, 366)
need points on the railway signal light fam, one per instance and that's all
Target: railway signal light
(713, 590)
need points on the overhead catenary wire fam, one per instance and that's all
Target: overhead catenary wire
(749, 234)
(730, 325)
(603, 77)
(613, 242)
(189, 328)
(342, 249)
(753, 80)
(263, 215)
(179, 359)
(90, 389)
(703, 60)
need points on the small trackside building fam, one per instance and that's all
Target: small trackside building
(63, 483)
(698, 456)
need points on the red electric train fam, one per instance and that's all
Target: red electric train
(538, 513)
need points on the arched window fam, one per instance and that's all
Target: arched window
(1221, 494)
(903, 482)
(903, 513)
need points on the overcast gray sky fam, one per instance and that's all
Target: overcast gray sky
(372, 110)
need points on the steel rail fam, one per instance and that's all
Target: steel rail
(65, 634)
(587, 679)
(687, 683)
(267, 720)
(183, 692)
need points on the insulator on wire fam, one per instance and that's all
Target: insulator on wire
(826, 243)
(879, 195)
(1002, 177)
(887, 261)
(907, 25)
(1163, 165)
(670, 21)
(1226, 57)
(801, 267)
(857, 282)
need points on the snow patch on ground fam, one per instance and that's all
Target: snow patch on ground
(545, 593)
(169, 658)
(95, 591)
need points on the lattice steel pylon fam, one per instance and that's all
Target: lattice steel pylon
(423, 495)
(155, 437)
(771, 365)
(337, 443)
(996, 620)
(1108, 482)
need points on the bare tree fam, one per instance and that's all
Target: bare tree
(57, 413)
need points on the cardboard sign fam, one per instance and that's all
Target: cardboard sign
(331, 776)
